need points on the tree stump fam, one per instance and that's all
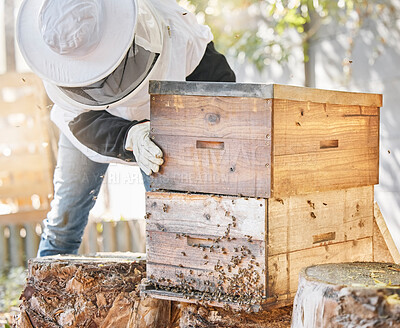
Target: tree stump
(96, 291)
(348, 295)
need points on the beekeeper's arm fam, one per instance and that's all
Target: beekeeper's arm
(116, 137)
(106, 138)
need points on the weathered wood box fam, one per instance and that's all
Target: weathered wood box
(263, 140)
(241, 250)
(275, 178)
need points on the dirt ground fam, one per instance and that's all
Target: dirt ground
(8, 318)
(11, 286)
(204, 317)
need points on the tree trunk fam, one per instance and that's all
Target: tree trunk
(99, 291)
(348, 295)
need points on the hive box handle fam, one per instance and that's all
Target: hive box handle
(210, 145)
(326, 144)
(200, 242)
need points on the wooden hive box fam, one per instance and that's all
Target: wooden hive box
(276, 178)
(249, 251)
(263, 140)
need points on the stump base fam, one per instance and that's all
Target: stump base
(362, 294)
(94, 291)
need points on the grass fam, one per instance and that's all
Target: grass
(11, 286)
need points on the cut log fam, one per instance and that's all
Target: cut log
(96, 291)
(363, 294)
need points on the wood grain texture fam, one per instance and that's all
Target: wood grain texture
(329, 170)
(204, 243)
(242, 167)
(300, 127)
(383, 240)
(320, 147)
(223, 145)
(323, 218)
(205, 214)
(165, 248)
(219, 145)
(289, 92)
(211, 117)
(187, 238)
(216, 270)
(283, 269)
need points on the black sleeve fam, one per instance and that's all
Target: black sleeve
(213, 67)
(104, 133)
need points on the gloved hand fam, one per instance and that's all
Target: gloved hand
(147, 154)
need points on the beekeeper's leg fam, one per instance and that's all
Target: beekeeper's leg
(77, 182)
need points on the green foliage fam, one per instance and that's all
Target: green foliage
(11, 286)
(261, 31)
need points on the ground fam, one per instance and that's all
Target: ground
(11, 285)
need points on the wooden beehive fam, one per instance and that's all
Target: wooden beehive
(240, 250)
(263, 140)
(275, 178)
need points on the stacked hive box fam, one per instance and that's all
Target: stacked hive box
(258, 182)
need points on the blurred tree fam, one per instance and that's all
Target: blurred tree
(262, 31)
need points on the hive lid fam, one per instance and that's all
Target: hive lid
(265, 91)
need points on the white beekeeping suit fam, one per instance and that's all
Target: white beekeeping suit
(96, 58)
(160, 26)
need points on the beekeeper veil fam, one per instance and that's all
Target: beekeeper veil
(93, 53)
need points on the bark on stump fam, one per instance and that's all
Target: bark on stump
(97, 291)
(341, 295)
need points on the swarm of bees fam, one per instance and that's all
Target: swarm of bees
(231, 282)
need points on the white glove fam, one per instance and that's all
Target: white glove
(147, 154)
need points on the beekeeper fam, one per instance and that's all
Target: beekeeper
(96, 58)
